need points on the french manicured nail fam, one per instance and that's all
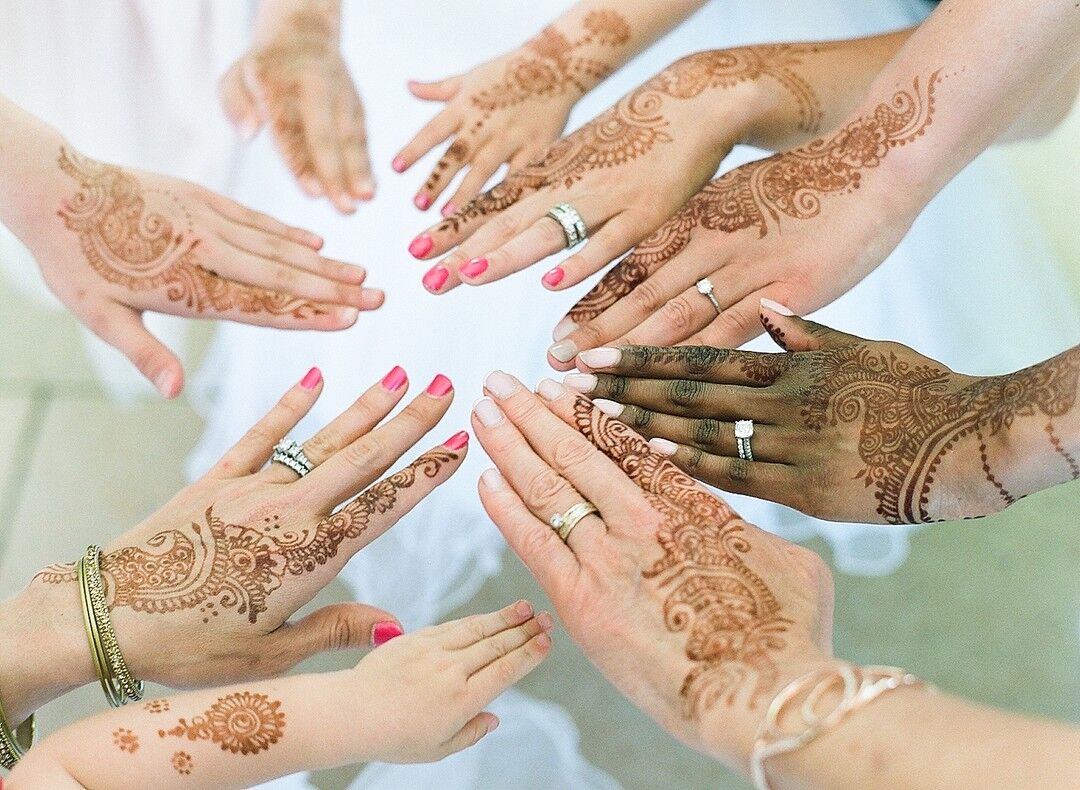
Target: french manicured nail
(385, 631)
(398, 164)
(608, 407)
(776, 307)
(436, 278)
(500, 384)
(447, 210)
(564, 350)
(164, 382)
(457, 441)
(550, 390)
(439, 386)
(395, 379)
(562, 329)
(599, 358)
(554, 277)
(475, 267)
(488, 412)
(421, 245)
(422, 202)
(311, 379)
(580, 382)
(493, 479)
(663, 446)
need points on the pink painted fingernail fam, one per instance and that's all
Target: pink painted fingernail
(398, 164)
(436, 278)
(421, 245)
(457, 441)
(385, 631)
(422, 202)
(554, 277)
(311, 379)
(475, 267)
(439, 386)
(776, 307)
(395, 379)
(447, 210)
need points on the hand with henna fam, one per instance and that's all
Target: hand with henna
(295, 80)
(845, 428)
(202, 591)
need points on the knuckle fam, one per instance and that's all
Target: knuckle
(637, 417)
(615, 386)
(740, 322)
(322, 445)
(503, 227)
(646, 298)
(543, 489)
(341, 633)
(360, 454)
(537, 543)
(571, 451)
(686, 392)
(707, 432)
(678, 314)
(588, 336)
(285, 278)
(738, 470)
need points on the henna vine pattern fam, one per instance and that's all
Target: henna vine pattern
(732, 619)
(241, 723)
(702, 360)
(143, 239)
(216, 565)
(182, 762)
(789, 184)
(126, 740)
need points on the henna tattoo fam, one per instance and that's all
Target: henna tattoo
(701, 360)
(775, 332)
(143, 239)
(733, 621)
(219, 566)
(183, 763)
(156, 706)
(126, 740)
(786, 185)
(241, 723)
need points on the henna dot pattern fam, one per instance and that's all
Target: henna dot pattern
(182, 763)
(157, 706)
(126, 740)
(241, 723)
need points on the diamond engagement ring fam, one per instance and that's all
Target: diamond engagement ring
(704, 287)
(573, 226)
(291, 454)
(564, 523)
(744, 431)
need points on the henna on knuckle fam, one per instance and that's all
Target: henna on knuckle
(706, 433)
(686, 393)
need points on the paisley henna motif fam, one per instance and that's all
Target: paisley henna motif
(241, 723)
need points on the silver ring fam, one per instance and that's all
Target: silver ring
(705, 288)
(573, 226)
(291, 454)
(564, 523)
(744, 432)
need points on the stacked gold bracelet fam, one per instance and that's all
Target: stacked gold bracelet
(119, 685)
(14, 744)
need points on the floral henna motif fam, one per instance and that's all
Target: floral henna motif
(218, 566)
(241, 723)
(156, 706)
(732, 619)
(143, 240)
(700, 360)
(126, 740)
(182, 762)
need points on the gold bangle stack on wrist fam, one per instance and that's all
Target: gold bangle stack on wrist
(117, 681)
(14, 743)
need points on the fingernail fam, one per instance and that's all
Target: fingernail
(608, 407)
(776, 307)
(311, 379)
(439, 386)
(421, 245)
(475, 267)
(348, 315)
(492, 726)
(457, 441)
(523, 609)
(249, 127)
(493, 480)
(500, 384)
(447, 210)
(385, 631)
(436, 278)
(564, 350)
(398, 164)
(422, 202)
(395, 379)
(545, 621)
(562, 329)
(663, 446)
(554, 277)
(163, 381)
(598, 358)
(550, 390)
(488, 412)
(582, 382)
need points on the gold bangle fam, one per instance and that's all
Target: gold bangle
(117, 681)
(14, 743)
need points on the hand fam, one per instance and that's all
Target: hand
(296, 79)
(844, 428)
(507, 110)
(777, 228)
(696, 616)
(626, 171)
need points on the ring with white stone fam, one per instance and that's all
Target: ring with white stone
(744, 432)
(291, 454)
(573, 226)
(564, 523)
(705, 288)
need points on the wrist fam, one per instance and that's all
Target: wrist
(313, 21)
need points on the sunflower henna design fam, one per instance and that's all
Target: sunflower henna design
(241, 723)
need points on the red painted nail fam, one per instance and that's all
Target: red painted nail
(554, 277)
(395, 379)
(436, 278)
(475, 267)
(439, 386)
(311, 379)
(398, 164)
(447, 210)
(385, 631)
(421, 245)
(422, 202)
(457, 441)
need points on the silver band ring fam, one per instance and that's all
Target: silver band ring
(291, 454)
(573, 226)
(705, 288)
(564, 523)
(744, 432)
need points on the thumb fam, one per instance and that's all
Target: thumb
(123, 329)
(340, 626)
(443, 90)
(793, 333)
(469, 735)
(239, 105)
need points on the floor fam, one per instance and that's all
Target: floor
(989, 610)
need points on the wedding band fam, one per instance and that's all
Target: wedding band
(291, 454)
(564, 523)
(744, 432)
(573, 226)
(705, 288)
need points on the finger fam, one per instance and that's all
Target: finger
(239, 105)
(352, 133)
(469, 735)
(123, 328)
(474, 207)
(497, 646)
(455, 158)
(324, 145)
(256, 220)
(434, 132)
(253, 450)
(793, 333)
(468, 631)
(702, 363)
(736, 324)
(342, 626)
(755, 478)
(288, 251)
(618, 235)
(681, 397)
(496, 677)
(440, 90)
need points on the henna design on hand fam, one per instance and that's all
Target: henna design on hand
(701, 360)
(219, 566)
(789, 184)
(183, 763)
(156, 706)
(143, 239)
(241, 723)
(126, 740)
(733, 621)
